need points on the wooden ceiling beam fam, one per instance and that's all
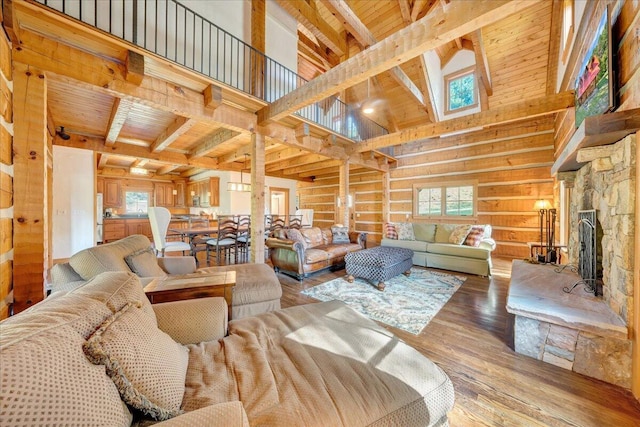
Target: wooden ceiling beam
(482, 64)
(166, 169)
(177, 128)
(365, 37)
(310, 167)
(422, 8)
(298, 161)
(134, 68)
(238, 154)
(425, 34)
(315, 52)
(429, 97)
(212, 141)
(308, 16)
(405, 11)
(102, 160)
(74, 66)
(284, 154)
(119, 113)
(166, 157)
(495, 116)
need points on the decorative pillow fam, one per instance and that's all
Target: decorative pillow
(443, 231)
(295, 235)
(148, 368)
(390, 231)
(405, 231)
(459, 234)
(340, 234)
(144, 263)
(475, 236)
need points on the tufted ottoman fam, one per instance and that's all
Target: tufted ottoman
(378, 264)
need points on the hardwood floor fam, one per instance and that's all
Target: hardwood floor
(494, 385)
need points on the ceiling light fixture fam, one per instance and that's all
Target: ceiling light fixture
(367, 107)
(240, 186)
(138, 171)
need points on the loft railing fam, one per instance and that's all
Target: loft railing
(175, 32)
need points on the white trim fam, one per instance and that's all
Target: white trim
(524, 181)
(8, 82)
(513, 228)
(8, 169)
(8, 126)
(6, 212)
(504, 243)
(506, 213)
(467, 172)
(7, 256)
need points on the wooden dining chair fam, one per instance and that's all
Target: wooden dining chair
(243, 239)
(295, 221)
(225, 241)
(198, 242)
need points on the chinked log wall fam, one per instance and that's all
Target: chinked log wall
(6, 176)
(512, 165)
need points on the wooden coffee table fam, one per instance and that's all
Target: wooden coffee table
(188, 286)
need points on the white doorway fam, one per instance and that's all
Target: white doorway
(279, 198)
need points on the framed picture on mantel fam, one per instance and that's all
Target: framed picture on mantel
(594, 86)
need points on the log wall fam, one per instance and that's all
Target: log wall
(6, 177)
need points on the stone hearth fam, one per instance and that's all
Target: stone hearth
(579, 332)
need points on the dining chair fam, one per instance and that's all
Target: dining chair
(277, 223)
(159, 219)
(295, 221)
(244, 238)
(198, 242)
(225, 241)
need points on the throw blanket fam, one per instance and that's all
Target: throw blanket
(317, 365)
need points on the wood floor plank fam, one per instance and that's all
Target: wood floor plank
(494, 386)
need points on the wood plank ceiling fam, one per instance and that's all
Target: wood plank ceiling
(514, 55)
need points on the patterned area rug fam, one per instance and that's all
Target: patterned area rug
(407, 303)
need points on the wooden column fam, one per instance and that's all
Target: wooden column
(635, 327)
(386, 198)
(31, 185)
(258, 29)
(257, 198)
(343, 192)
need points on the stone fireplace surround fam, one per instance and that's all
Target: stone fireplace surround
(577, 331)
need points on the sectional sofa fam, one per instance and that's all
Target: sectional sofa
(458, 247)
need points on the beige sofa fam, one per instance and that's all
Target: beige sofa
(257, 288)
(301, 252)
(432, 247)
(101, 355)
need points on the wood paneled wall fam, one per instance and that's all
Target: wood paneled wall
(6, 177)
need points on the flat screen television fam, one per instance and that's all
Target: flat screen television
(594, 91)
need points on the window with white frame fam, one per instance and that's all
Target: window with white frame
(446, 200)
(461, 90)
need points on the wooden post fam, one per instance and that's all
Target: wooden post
(257, 198)
(343, 192)
(258, 29)
(31, 186)
(635, 327)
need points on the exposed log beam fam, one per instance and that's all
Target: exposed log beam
(177, 128)
(405, 11)
(422, 35)
(482, 65)
(134, 68)
(421, 8)
(212, 96)
(238, 154)
(119, 113)
(310, 167)
(102, 161)
(298, 161)
(211, 142)
(166, 169)
(166, 157)
(102, 75)
(507, 113)
(284, 154)
(356, 27)
(430, 104)
(308, 16)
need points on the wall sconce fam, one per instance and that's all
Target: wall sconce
(193, 193)
(175, 192)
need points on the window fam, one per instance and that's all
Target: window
(567, 28)
(460, 90)
(137, 201)
(445, 200)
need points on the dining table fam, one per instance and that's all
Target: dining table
(192, 232)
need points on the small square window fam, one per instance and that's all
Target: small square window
(137, 201)
(461, 90)
(445, 200)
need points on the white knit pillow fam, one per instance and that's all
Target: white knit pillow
(147, 366)
(405, 231)
(459, 234)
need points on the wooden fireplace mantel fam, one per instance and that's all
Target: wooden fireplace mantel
(596, 130)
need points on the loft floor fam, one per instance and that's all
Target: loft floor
(494, 385)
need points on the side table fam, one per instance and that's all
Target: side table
(195, 285)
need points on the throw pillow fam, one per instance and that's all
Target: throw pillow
(475, 236)
(459, 234)
(295, 235)
(443, 231)
(144, 263)
(390, 231)
(405, 231)
(148, 368)
(340, 234)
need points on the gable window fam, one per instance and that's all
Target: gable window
(446, 200)
(460, 90)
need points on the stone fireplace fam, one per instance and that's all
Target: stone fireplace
(607, 184)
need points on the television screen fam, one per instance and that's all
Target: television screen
(594, 85)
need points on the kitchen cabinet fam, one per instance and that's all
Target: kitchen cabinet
(180, 194)
(139, 226)
(164, 194)
(112, 193)
(114, 229)
(207, 192)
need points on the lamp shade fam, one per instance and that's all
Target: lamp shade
(238, 186)
(542, 204)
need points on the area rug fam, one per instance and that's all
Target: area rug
(407, 303)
